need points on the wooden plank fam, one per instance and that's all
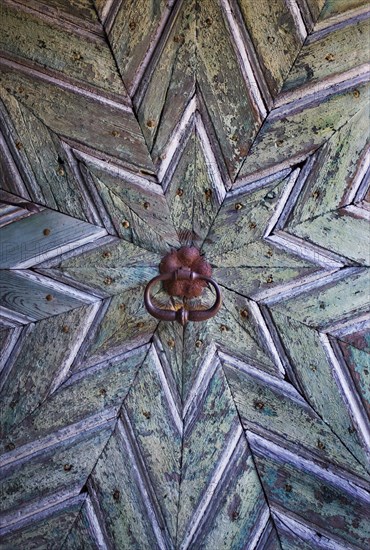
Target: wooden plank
(45, 530)
(337, 163)
(48, 346)
(48, 298)
(211, 429)
(65, 465)
(48, 177)
(90, 393)
(243, 219)
(234, 117)
(80, 535)
(358, 362)
(318, 381)
(86, 58)
(338, 7)
(192, 195)
(169, 339)
(170, 83)
(275, 36)
(41, 236)
(336, 510)
(315, 7)
(138, 210)
(120, 497)
(342, 232)
(125, 325)
(337, 300)
(288, 136)
(134, 33)
(269, 406)
(252, 282)
(157, 428)
(69, 10)
(239, 507)
(335, 53)
(73, 115)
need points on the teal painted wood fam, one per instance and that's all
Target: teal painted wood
(323, 503)
(42, 532)
(267, 404)
(63, 466)
(248, 430)
(45, 350)
(41, 236)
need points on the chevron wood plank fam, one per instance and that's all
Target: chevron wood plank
(322, 502)
(72, 115)
(81, 13)
(81, 534)
(122, 500)
(157, 427)
(276, 38)
(246, 216)
(233, 115)
(341, 232)
(172, 82)
(318, 380)
(192, 191)
(48, 177)
(339, 299)
(266, 404)
(287, 137)
(169, 340)
(315, 7)
(47, 299)
(43, 235)
(42, 474)
(133, 34)
(85, 397)
(129, 129)
(49, 345)
(337, 164)
(138, 209)
(240, 507)
(331, 9)
(205, 443)
(261, 282)
(44, 532)
(86, 58)
(125, 324)
(358, 362)
(339, 51)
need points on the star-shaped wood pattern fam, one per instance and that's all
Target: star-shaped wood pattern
(130, 129)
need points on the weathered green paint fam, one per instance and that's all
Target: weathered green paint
(318, 381)
(298, 133)
(44, 533)
(335, 53)
(275, 36)
(329, 180)
(66, 464)
(265, 405)
(45, 349)
(88, 60)
(72, 115)
(329, 507)
(36, 237)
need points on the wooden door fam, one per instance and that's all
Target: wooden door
(130, 128)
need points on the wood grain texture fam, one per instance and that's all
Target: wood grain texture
(275, 37)
(129, 129)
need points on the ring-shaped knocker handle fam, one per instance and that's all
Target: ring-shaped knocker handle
(182, 315)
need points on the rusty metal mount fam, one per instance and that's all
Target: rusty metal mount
(184, 273)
